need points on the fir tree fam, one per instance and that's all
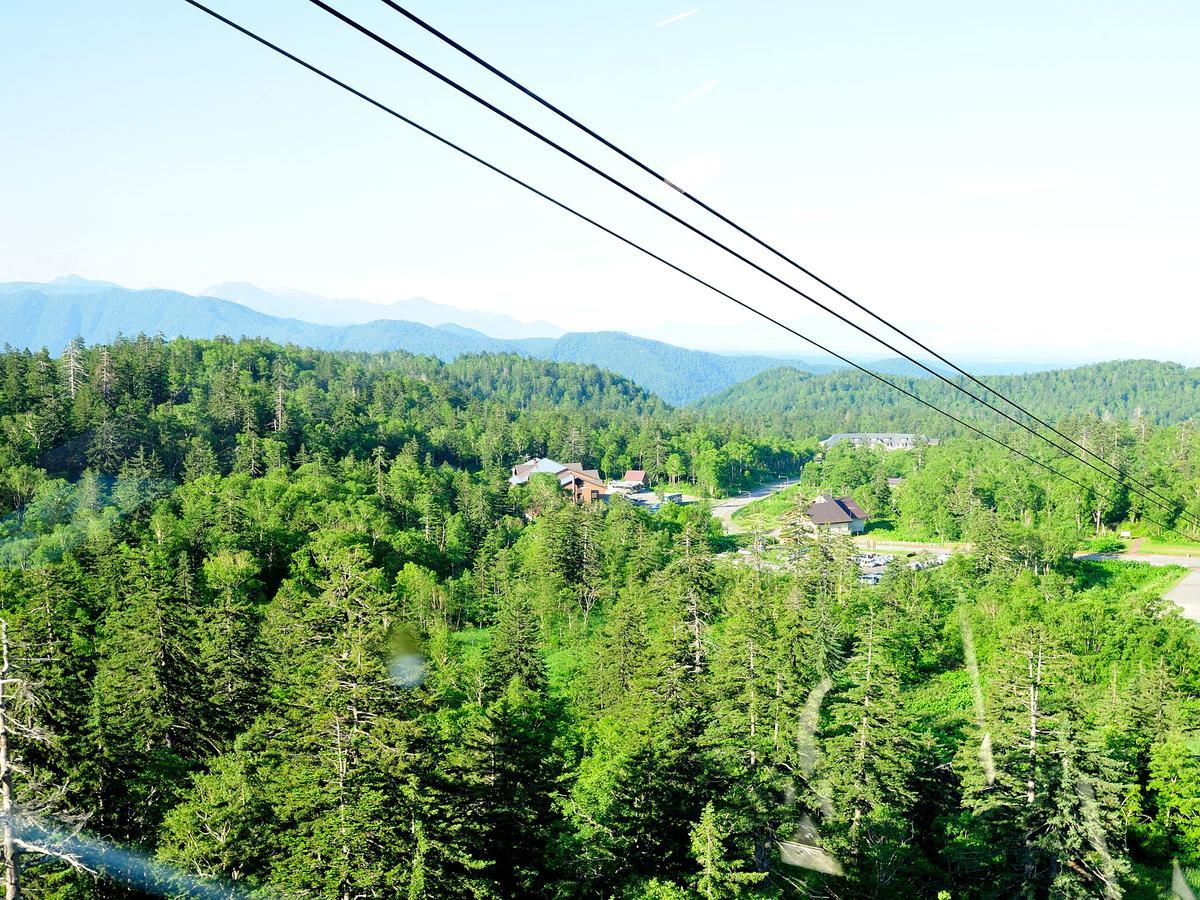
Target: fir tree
(515, 652)
(719, 877)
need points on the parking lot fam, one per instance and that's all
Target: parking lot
(872, 565)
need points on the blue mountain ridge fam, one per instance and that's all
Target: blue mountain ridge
(50, 315)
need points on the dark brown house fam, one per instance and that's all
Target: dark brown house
(839, 514)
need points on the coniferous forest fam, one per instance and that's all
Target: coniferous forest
(276, 622)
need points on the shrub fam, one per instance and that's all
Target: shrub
(1107, 544)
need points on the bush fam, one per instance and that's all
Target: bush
(1107, 544)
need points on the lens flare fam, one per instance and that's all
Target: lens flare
(130, 868)
(985, 745)
(803, 849)
(405, 662)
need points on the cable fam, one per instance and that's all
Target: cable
(467, 92)
(627, 241)
(474, 57)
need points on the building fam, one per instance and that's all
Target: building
(584, 485)
(837, 514)
(633, 480)
(885, 439)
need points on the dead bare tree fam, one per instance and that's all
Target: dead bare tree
(25, 827)
(105, 376)
(12, 885)
(73, 369)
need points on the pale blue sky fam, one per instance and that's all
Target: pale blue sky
(1013, 180)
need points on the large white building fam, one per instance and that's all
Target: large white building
(888, 440)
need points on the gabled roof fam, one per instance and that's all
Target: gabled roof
(569, 474)
(853, 508)
(565, 472)
(827, 510)
(634, 475)
(536, 466)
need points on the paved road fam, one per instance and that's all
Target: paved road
(1154, 559)
(1186, 594)
(726, 508)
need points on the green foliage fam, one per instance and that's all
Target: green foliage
(42, 315)
(719, 877)
(292, 630)
(1143, 391)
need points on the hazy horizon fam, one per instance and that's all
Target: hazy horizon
(784, 354)
(1004, 184)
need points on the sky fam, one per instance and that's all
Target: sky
(1011, 181)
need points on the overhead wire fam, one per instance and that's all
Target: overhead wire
(633, 244)
(1163, 502)
(654, 173)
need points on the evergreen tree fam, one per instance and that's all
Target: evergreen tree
(337, 773)
(226, 643)
(868, 758)
(515, 652)
(719, 877)
(144, 696)
(1051, 807)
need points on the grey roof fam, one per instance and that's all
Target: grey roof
(522, 472)
(870, 436)
(834, 511)
(887, 438)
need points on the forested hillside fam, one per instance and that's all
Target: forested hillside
(278, 623)
(252, 404)
(785, 398)
(676, 374)
(974, 490)
(51, 315)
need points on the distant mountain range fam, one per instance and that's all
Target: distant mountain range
(291, 304)
(51, 314)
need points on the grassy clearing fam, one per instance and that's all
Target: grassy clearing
(767, 514)
(1170, 547)
(1167, 544)
(1125, 577)
(1148, 882)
